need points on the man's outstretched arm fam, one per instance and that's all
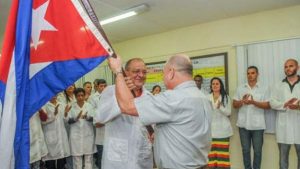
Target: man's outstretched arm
(124, 96)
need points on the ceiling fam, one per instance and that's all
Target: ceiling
(166, 15)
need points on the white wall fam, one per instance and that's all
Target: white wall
(217, 37)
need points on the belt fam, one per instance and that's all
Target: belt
(203, 167)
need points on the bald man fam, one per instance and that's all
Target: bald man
(285, 99)
(181, 114)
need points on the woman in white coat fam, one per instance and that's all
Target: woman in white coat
(55, 135)
(67, 97)
(38, 148)
(221, 127)
(82, 140)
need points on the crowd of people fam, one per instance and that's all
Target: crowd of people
(125, 126)
(251, 99)
(63, 133)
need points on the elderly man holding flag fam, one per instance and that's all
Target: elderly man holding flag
(41, 56)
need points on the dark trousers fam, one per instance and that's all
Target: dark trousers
(99, 155)
(284, 151)
(56, 164)
(256, 139)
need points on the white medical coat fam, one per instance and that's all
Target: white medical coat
(287, 120)
(55, 132)
(220, 125)
(81, 132)
(38, 148)
(61, 97)
(94, 100)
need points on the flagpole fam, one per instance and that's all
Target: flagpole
(90, 11)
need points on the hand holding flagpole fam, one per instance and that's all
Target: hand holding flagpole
(115, 59)
(90, 11)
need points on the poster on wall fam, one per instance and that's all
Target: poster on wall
(208, 66)
(155, 75)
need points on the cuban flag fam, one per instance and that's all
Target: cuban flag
(48, 45)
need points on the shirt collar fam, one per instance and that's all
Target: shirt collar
(285, 80)
(291, 86)
(186, 84)
(256, 85)
(145, 91)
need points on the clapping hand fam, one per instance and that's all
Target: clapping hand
(98, 125)
(84, 115)
(293, 104)
(43, 115)
(246, 96)
(56, 110)
(248, 99)
(67, 109)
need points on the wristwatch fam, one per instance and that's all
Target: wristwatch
(119, 72)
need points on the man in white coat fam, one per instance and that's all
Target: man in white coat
(126, 143)
(285, 99)
(100, 128)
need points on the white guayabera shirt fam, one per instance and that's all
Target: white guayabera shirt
(183, 126)
(251, 117)
(126, 143)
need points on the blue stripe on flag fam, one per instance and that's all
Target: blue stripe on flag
(2, 95)
(22, 48)
(2, 91)
(33, 94)
(55, 78)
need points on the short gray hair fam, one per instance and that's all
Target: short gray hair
(181, 63)
(128, 63)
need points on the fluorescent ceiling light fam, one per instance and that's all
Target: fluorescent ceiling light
(119, 17)
(128, 13)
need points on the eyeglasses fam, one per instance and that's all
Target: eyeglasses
(138, 71)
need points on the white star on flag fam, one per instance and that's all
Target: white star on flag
(39, 23)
